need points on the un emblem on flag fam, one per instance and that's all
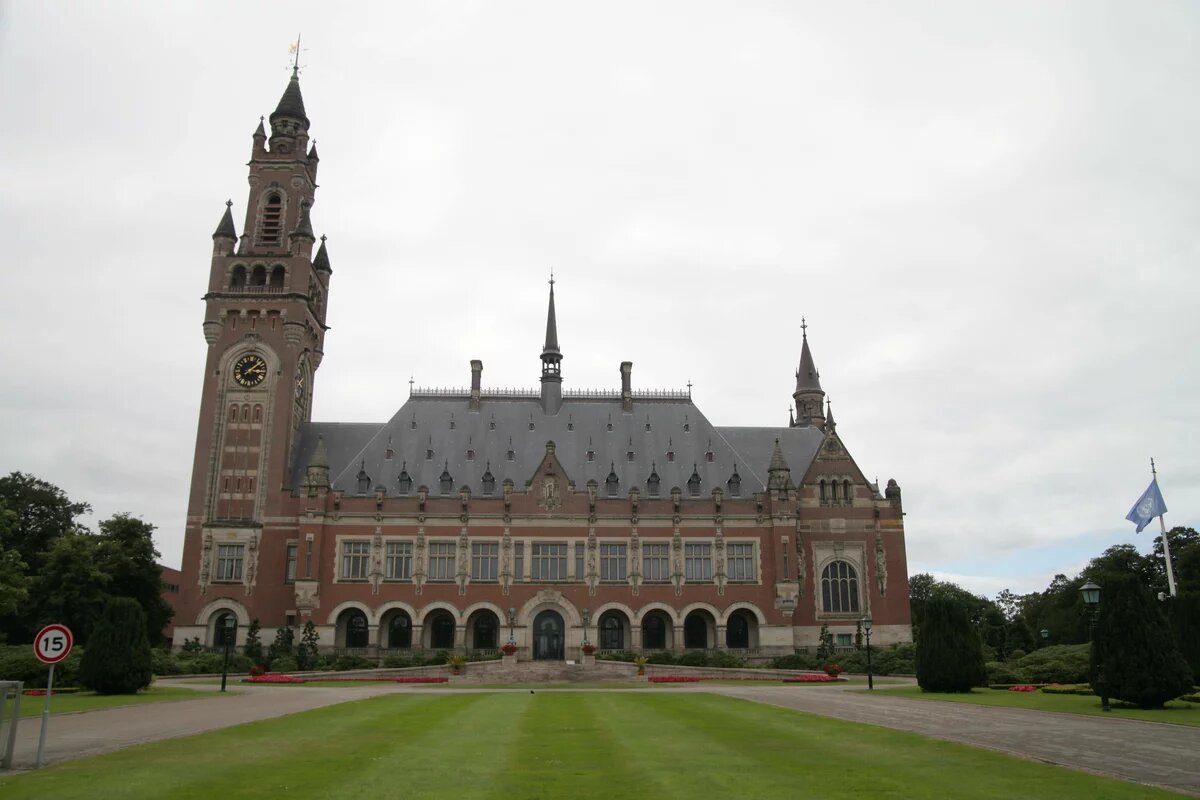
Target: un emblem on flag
(1146, 507)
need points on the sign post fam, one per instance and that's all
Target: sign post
(52, 644)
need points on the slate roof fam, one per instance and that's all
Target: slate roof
(291, 104)
(424, 423)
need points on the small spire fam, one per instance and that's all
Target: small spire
(304, 224)
(320, 457)
(312, 152)
(551, 345)
(779, 474)
(807, 377)
(261, 131)
(829, 423)
(225, 229)
(321, 263)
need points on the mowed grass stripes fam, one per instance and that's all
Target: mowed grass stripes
(557, 745)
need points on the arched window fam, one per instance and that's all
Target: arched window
(654, 633)
(258, 276)
(356, 628)
(405, 479)
(839, 588)
(735, 483)
(484, 631)
(258, 414)
(400, 630)
(271, 222)
(653, 482)
(824, 494)
(489, 480)
(847, 493)
(612, 632)
(277, 277)
(446, 481)
(225, 632)
(694, 483)
(239, 277)
(737, 632)
(233, 415)
(441, 634)
(695, 631)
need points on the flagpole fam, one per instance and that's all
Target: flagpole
(1166, 545)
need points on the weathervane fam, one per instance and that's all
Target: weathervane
(294, 50)
(552, 277)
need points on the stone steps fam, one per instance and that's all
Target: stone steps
(546, 672)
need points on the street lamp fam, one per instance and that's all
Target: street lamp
(512, 620)
(229, 624)
(1045, 632)
(587, 615)
(866, 624)
(1091, 600)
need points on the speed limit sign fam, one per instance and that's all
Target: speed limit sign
(53, 643)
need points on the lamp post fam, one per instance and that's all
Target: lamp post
(587, 615)
(866, 624)
(229, 624)
(1091, 601)
(512, 621)
(1045, 634)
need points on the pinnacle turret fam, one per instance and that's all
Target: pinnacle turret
(225, 229)
(808, 394)
(779, 474)
(291, 104)
(551, 361)
(321, 259)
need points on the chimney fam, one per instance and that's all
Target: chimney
(626, 386)
(476, 375)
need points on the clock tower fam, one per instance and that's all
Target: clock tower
(264, 323)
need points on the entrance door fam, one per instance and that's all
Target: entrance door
(548, 636)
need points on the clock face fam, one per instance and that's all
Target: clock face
(250, 371)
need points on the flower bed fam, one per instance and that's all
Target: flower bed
(1023, 688)
(42, 692)
(277, 678)
(698, 678)
(813, 679)
(675, 679)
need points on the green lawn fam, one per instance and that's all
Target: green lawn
(554, 745)
(90, 701)
(1176, 712)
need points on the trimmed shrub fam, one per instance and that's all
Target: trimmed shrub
(18, 663)
(285, 664)
(1000, 673)
(343, 663)
(1134, 657)
(796, 661)
(623, 655)
(1183, 612)
(663, 657)
(1060, 663)
(949, 653)
(118, 659)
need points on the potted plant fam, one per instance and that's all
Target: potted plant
(588, 648)
(641, 662)
(456, 664)
(833, 670)
(509, 648)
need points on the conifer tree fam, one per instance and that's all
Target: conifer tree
(306, 653)
(949, 652)
(1134, 657)
(117, 659)
(253, 647)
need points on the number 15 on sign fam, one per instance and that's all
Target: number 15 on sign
(52, 644)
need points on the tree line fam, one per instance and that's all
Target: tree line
(53, 568)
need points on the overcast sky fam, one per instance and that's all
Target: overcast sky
(987, 212)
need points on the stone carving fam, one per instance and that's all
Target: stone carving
(376, 575)
(801, 566)
(880, 566)
(307, 596)
(251, 572)
(635, 559)
(719, 575)
(206, 562)
(677, 562)
(592, 574)
(419, 561)
(786, 595)
(464, 562)
(551, 499)
(506, 561)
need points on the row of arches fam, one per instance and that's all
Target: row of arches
(258, 275)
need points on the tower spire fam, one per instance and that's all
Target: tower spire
(808, 394)
(551, 361)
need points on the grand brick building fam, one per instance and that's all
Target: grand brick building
(623, 517)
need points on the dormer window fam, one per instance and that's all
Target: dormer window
(611, 482)
(670, 455)
(389, 454)
(694, 483)
(652, 483)
(445, 481)
(489, 480)
(470, 455)
(511, 455)
(734, 483)
(429, 454)
(364, 480)
(591, 455)
(629, 456)
(708, 456)
(405, 479)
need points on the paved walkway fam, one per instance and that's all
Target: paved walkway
(1150, 753)
(1144, 752)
